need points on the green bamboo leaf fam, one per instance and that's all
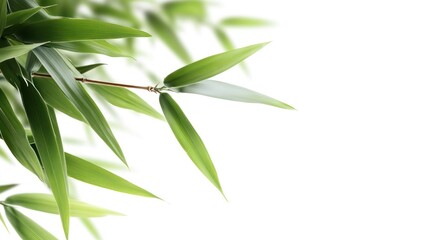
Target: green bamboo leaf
(87, 172)
(168, 36)
(87, 68)
(60, 72)
(231, 92)
(16, 51)
(189, 138)
(46, 203)
(244, 22)
(96, 46)
(224, 39)
(72, 29)
(18, 5)
(3, 222)
(49, 147)
(25, 227)
(4, 188)
(186, 9)
(4, 155)
(13, 134)
(118, 11)
(210, 66)
(3, 15)
(21, 16)
(91, 228)
(124, 98)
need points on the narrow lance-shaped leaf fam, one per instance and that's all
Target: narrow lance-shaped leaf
(3, 222)
(3, 15)
(49, 147)
(244, 22)
(16, 51)
(21, 16)
(46, 203)
(87, 68)
(189, 138)
(17, 5)
(72, 29)
(168, 36)
(231, 92)
(224, 39)
(13, 134)
(90, 173)
(63, 76)
(25, 227)
(210, 66)
(89, 225)
(4, 188)
(94, 46)
(186, 9)
(125, 98)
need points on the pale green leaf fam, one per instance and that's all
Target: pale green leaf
(185, 9)
(231, 92)
(25, 227)
(63, 76)
(49, 147)
(21, 16)
(72, 29)
(244, 22)
(224, 39)
(87, 172)
(89, 225)
(16, 51)
(46, 203)
(96, 46)
(4, 188)
(3, 222)
(210, 66)
(189, 138)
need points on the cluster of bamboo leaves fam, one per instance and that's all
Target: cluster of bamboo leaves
(38, 81)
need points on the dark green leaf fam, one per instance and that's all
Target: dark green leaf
(46, 203)
(16, 51)
(49, 147)
(4, 188)
(3, 15)
(63, 76)
(189, 138)
(231, 92)
(244, 22)
(210, 66)
(71, 29)
(87, 68)
(97, 46)
(124, 98)
(17, 5)
(25, 227)
(21, 16)
(90, 173)
(13, 134)
(168, 36)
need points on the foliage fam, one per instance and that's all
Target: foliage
(38, 81)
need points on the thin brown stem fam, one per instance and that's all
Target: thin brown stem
(91, 81)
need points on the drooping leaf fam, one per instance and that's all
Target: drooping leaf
(185, 9)
(224, 39)
(244, 22)
(49, 147)
(16, 51)
(25, 227)
(4, 188)
(89, 225)
(3, 222)
(189, 138)
(13, 134)
(231, 92)
(164, 32)
(210, 66)
(63, 76)
(3, 155)
(95, 46)
(124, 98)
(3, 15)
(87, 68)
(21, 16)
(87, 172)
(46, 203)
(73, 29)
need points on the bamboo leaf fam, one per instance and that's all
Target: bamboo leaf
(96, 46)
(164, 32)
(3, 222)
(21, 16)
(46, 203)
(91, 228)
(87, 172)
(3, 15)
(224, 39)
(124, 98)
(186, 9)
(87, 68)
(189, 138)
(63, 76)
(16, 51)
(244, 22)
(72, 29)
(49, 147)
(17, 5)
(25, 227)
(13, 134)
(4, 188)
(231, 92)
(210, 66)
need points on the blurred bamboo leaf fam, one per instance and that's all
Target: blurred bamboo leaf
(124, 98)
(25, 227)
(63, 76)
(244, 22)
(21, 16)
(118, 11)
(90, 173)
(4, 155)
(3, 222)
(72, 29)
(91, 228)
(231, 92)
(224, 39)
(166, 34)
(94, 46)
(49, 147)
(13, 134)
(210, 66)
(3, 15)
(16, 51)
(189, 138)
(4, 188)
(185, 9)
(46, 203)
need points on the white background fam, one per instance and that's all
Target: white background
(351, 163)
